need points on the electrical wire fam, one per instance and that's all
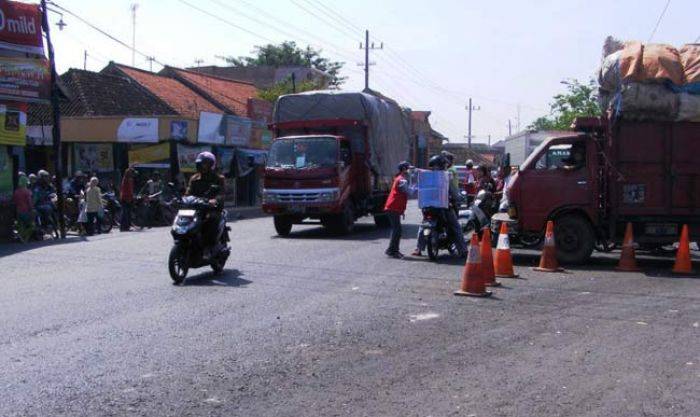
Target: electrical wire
(228, 22)
(658, 21)
(334, 48)
(337, 28)
(105, 33)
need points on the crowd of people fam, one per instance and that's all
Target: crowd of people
(35, 200)
(475, 180)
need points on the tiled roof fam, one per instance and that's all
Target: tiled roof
(230, 94)
(178, 96)
(98, 94)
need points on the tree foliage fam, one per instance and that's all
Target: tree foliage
(579, 100)
(289, 54)
(286, 87)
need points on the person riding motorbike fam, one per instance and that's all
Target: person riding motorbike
(200, 185)
(439, 163)
(42, 195)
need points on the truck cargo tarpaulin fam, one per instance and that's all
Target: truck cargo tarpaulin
(25, 79)
(20, 27)
(388, 128)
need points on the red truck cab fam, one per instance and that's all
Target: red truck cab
(594, 181)
(317, 176)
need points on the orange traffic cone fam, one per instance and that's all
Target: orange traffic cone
(683, 264)
(548, 261)
(473, 284)
(487, 260)
(503, 262)
(628, 261)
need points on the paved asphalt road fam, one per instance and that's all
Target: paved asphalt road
(324, 326)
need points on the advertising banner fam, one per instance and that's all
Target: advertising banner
(20, 27)
(40, 135)
(5, 175)
(150, 154)
(136, 130)
(178, 129)
(25, 79)
(211, 128)
(238, 130)
(93, 157)
(186, 156)
(13, 125)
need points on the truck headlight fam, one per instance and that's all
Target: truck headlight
(328, 196)
(269, 197)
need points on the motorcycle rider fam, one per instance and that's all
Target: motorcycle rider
(42, 196)
(200, 186)
(439, 163)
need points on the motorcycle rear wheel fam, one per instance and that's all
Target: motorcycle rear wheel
(432, 247)
(177, 264)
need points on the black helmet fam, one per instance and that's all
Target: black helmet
(437, 162)
(403, 165)
(449, 156)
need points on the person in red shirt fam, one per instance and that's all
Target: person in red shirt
(126, 195)
(395, 207)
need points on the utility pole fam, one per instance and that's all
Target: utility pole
(56, 130)
(198, 61)
(510, 129)
(134, 6)
(489, 141)
(367, 47)
(85, 59)
(471, 108)
(150, 60)
(294, 82)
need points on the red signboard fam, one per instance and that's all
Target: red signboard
(20, 27)
(25, 79)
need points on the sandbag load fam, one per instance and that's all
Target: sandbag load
(651, 82)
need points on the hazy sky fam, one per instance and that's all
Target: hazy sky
(436, 53)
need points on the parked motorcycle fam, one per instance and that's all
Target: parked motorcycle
(47, 218)
(190, 250)
(151, 210)
(111, 204)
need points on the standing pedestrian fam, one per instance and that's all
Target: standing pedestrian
(93, 203)
(395, 208)
(126, 195)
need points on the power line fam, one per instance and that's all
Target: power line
(337, 15)
(285, 24)
(103, 32)
(658, 22)
(228, 22)
(337, 28)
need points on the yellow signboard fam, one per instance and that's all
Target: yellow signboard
(13, 125)
(150, 154)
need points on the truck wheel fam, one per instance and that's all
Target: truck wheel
(381, 221)
(575, 239)
(283, 225)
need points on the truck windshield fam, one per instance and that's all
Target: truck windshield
(300, 153)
